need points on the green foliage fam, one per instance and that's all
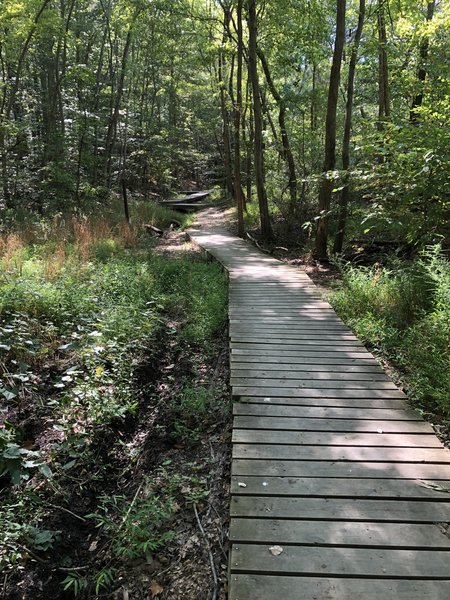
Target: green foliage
(404, 314)
(83, 313)
(20, 524)
(193, 409)
(138, 528)
(407, 186)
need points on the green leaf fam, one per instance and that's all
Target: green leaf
(8, 394)
(45, 470)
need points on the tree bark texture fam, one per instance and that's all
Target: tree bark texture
(421, 72)
(287, 154)
(237, 124)
(326, 186)
(384, 103)
(343, 199)
(266, 226)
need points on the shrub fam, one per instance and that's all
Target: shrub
(403, 312)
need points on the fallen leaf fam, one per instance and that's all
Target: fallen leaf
(156, 589)
(434, 486)
(276, 550)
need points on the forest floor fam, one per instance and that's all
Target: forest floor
(157, 474)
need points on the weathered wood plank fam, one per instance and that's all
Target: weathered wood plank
(296, 337)
(305, 360)
(318, 369)
(328, 438)
(383, 489)
(320, 356)
(295, 392)
(337, 425)
(337, 469)
(383, 563)
(351, 453)
(302, 374)
(325, 413)
(318, 384)
(315, 320)
(336, 533)
(341, 509)
(259, 587)
(326, 402)
(259, 335)
(297, 328)
(300, 346)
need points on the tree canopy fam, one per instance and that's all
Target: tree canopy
(153, 94)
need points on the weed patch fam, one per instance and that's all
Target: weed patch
(105, 351)
(403, 313)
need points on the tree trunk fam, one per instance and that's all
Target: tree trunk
(287, 154)
(249, 145)
(237, 125)
(343, 200)
(421, 72)
(326, 186)
(266, 226)
(384, 105)
(226, 136)
(112, 126)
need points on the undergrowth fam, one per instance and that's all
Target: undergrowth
(87, 313)
(402, 312)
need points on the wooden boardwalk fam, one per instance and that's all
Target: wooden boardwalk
(339, 490)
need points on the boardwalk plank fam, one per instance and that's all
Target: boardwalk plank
(326, 401)
(336, 425)
(324, 412)
(322, 356)
(296, 392)
(335, 438)
(351, 453)
(324, 375)
(238, 363)
(363, 562)
(312, 338)
(381, 489)
(316, 383)
(336, 533)
(258, 587)
(337, 469)
(312, 346)
(341, 509)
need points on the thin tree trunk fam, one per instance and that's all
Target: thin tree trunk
(422, 73)
(266, 226)
(287, 151)
(226, 136)
(343, 200)
(313, 123)
(112, 126)
(326, 186)
(249, 148)
(237, 124)
(384, 104)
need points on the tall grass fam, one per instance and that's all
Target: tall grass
(403, 314)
